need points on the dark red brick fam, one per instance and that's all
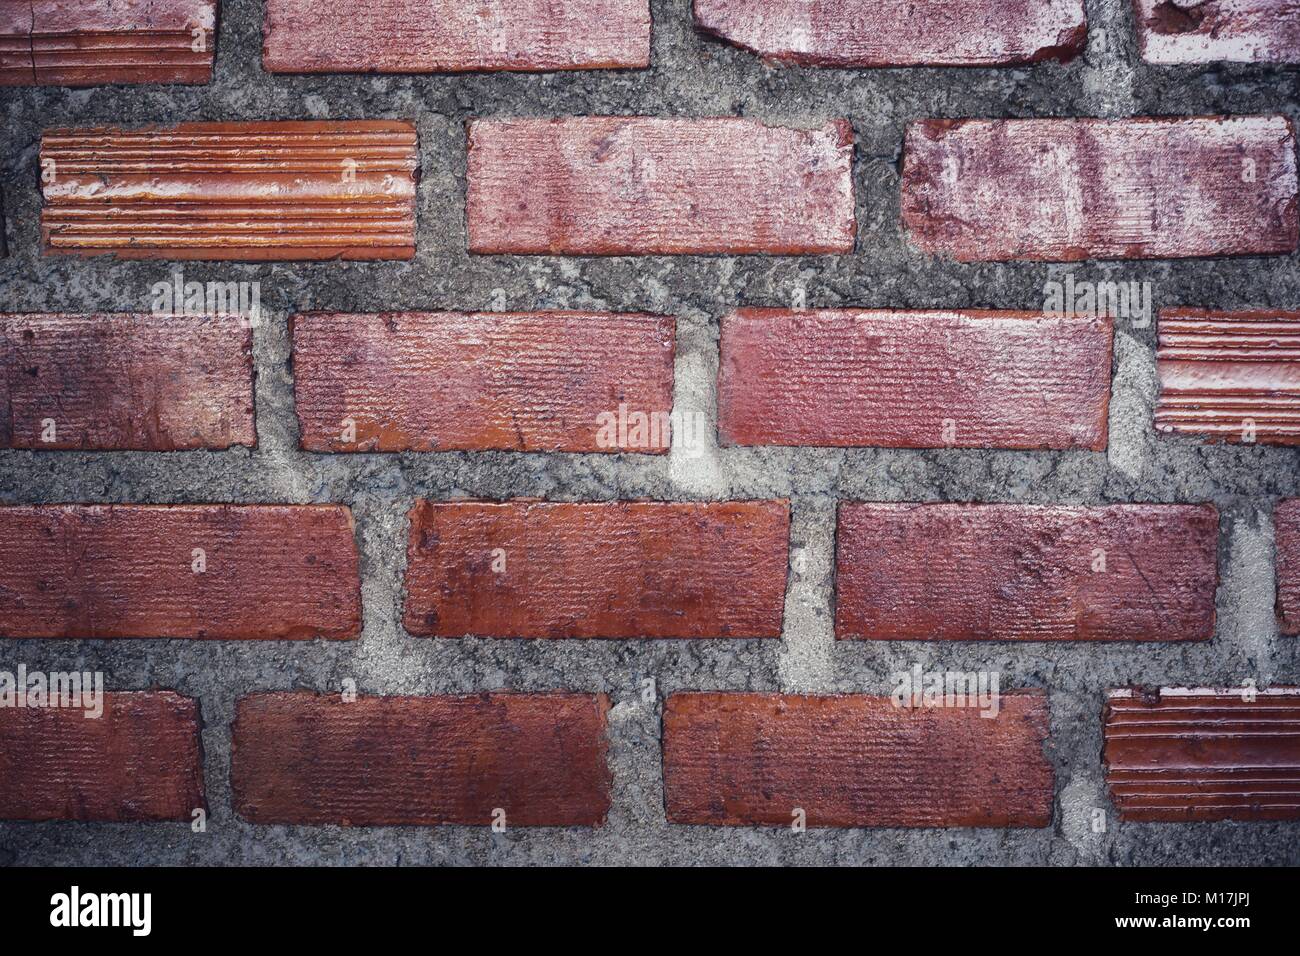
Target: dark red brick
(1286, 518)
(1210, 31)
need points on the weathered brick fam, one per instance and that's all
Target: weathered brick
(521, 759)
(637, 185)
(1209, 31)
(899, 32)
(1286, 517)
(141, 760)
(437, 381)
(913, 379)
(266, 572)
(125, 382)
(1070, 189)
(406, 36)
(1179, 755)
(609, 569)
(250, 191)
(1230, 376)
(957, 572)
(855, 761)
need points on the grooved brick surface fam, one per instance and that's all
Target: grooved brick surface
(141, 760)
(899, 32)
(1286, 519)
(636, 185)
(1071, 189)
(1209, 31)
(607, 569)
(854, 761)
(437, 381)
(914, 379)
(306, 758)
(125, 382)
(250, 191)
(1182, 755)
(406, 36)
(960, 572)
(273, 572)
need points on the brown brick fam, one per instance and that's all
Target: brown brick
(1179, 755)
(1064, 190)
(1210, 31)
(610, 569)
(899, 32)
(379, 761)
(913, 379)
(1286, 517)
(855, 761)
(125, 382)
(268, 572)
(340, 36)
(141, 760)
(1230, 376)
(956, 572)
(636, 185)
(438, 381)
(249, 191)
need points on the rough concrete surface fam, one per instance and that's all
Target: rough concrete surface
(690, 75)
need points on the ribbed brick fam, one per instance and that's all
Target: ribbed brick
(141, 760)
(1064, 190)
(1230, 376)
(899, 32)
(854, 761)
(415, 36)
(539, 759)
(609, 569)
(273, 572)
(1286, 518)
(636, 185)
(1180, 755)
(956, 572)
(125, 382)
(438, 381)
(1209, 31)
(251, 191)
(914, 379)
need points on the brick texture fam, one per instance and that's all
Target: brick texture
(854, 761)
(406, 36)
(305, 758)
(140, 761)
(282, 572)
(1065, 190)
(249, 191)
(1286, 518)
(1209, 31)
(610, 569)
(125, 382)
(913, 379)
(1183, 755)
(899, 32)
(1026, 573)
(438, 381)
(645, 185)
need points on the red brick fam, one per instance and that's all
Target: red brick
(249, 191)
(385, 761)
(1286, 517)
(636, 185)
(125, 382)
(1209, 31)
(271, 572)
(1230, 376)
(855, 761)
(956, 572)
(1180, 755)
(913, 379)
(1064, 190)
(899, 32)
(340, 36)
(141, 760)
(439, 381)
(610, 569)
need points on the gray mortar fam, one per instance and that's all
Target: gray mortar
(691, 75)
